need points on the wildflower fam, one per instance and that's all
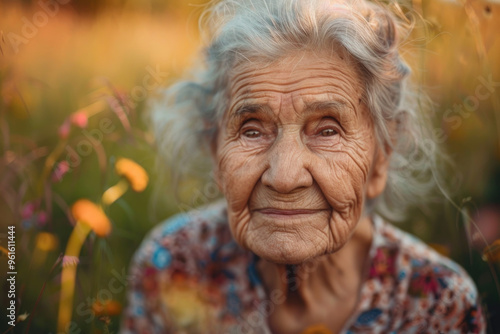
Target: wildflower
(64, 130)
(132, 174)
(89, 217)
(107, 308)
(28, 210)
(79, 119)
(46, 241)
(90, 214)
(42, 218)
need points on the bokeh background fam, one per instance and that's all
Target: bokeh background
(75, 77)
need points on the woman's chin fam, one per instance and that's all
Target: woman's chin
(287, 252)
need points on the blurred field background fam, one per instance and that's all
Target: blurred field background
(74, 81)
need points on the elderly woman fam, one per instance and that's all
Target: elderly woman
(304, 110)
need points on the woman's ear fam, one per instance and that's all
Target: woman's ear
(378, 174)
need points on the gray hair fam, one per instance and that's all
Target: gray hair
(185, 116)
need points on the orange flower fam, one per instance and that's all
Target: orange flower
(133, 172)
(89, 213)
(108, 308)
(88, 217)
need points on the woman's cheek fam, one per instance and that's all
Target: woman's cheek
(240, 172)
(238, 224)
(338, 180)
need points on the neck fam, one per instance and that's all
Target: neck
(327, 279)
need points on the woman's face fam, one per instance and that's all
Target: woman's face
(296, 156)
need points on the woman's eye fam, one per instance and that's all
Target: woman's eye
(251, 133)
(328, 132)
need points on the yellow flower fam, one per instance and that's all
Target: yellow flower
(133, 172)
(46, 241)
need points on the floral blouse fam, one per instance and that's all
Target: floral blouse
(190, 276)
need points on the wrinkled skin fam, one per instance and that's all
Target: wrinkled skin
(296, 158)
(296, 136)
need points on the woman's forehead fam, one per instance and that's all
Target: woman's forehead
(305, 80)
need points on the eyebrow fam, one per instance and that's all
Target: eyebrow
(247, 109)
(251, 109)
(325, 105)
(309, 108)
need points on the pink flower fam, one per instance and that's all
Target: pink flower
(43, 217)
(28, 210)
(64, 130)
(79, 119)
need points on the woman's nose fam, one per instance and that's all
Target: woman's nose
(287, 165)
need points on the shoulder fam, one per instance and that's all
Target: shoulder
(172, 274)
(433, 291)
(187, 235)
(417, 261)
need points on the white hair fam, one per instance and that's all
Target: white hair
(185, 116)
